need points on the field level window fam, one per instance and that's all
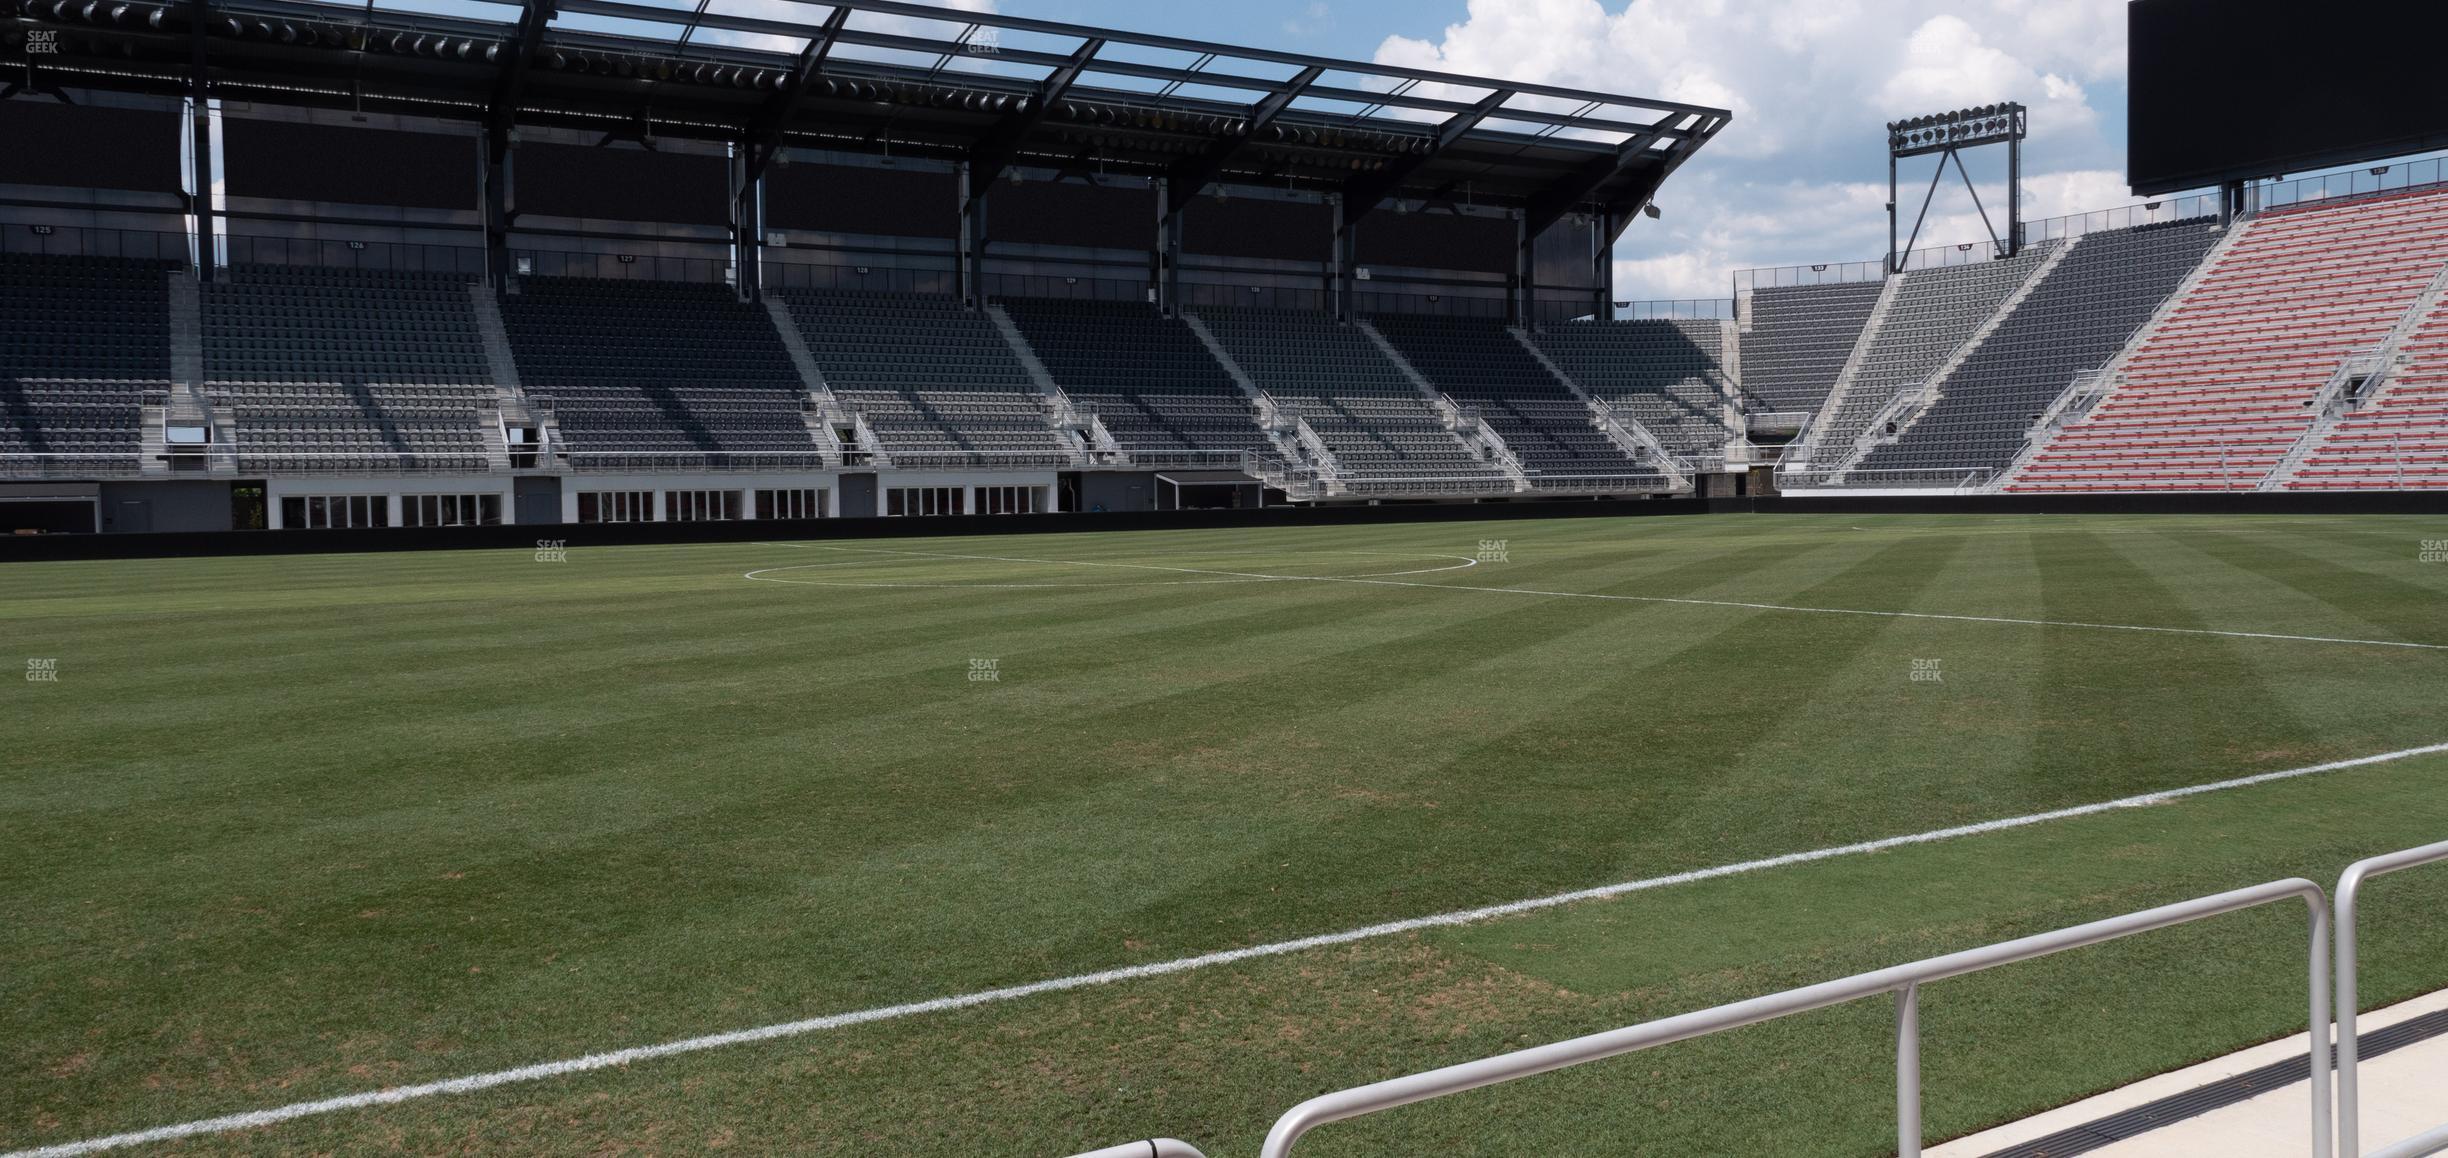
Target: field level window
(790, 504)
(700, 506)
(450, 510)
(616, 506)
(321, 512)
(1007, 500)
(924, 501)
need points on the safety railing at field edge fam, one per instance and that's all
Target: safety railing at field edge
(1903, 981)
(2349, 1092)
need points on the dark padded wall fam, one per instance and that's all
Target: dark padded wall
(2231, 89)
(1438, 241)
(622, 184)
(294, 161)
(44, 143)
(1072, 213)
(1561, 256)
(1243, 227)
(859, 199)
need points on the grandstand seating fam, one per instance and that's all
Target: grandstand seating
(1668, 375)
(647, 375)
(2217, 392)
(1934, 312)
(1547, 427)
(82, 339)
(1798, 339)
(2398, 439)
(1148, 378)
(2074, 320)
(335, 369)
(934, 380)
(1362, 407)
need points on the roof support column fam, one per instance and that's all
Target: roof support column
(1167, 278)
(747, 227)
(1602, 245)
(496, 207)
(202, 153)
(970, 256)
(1340, 268)
(1520, 308)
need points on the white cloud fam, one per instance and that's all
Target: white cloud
(1315, 20)
(1799, 176)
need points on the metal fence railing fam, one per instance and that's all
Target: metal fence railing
(400, 256)
(1954, 480)
(2349, 1085)
(2334, 923)
(1902, 982)
(619, 266)
(2351, 183)
(1679, 309)
(93, 241)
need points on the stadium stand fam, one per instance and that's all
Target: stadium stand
(646, 375)
(1934, 312)
(2082, 312)
(933, 381)
(2218, 391)
(1797, 339)
(1542, 422)
(2399, 437)
(1150, 381)
(335, 369)
(1669, 375)
(1363, 408)
(82, 341)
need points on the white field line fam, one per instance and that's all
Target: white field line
(1387, 582)
(622, 1057)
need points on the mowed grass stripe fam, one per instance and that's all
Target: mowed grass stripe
(635, 796)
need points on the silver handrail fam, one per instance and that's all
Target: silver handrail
(1904, 981)
(2349, 1095)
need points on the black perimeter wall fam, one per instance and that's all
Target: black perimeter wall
(134, 546)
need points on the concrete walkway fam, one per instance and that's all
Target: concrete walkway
(2405, 1092)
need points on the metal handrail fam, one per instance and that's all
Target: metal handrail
(1902, 980)
(1966, 479)
(2349, 1093)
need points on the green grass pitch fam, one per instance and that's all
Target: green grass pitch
(284, 829)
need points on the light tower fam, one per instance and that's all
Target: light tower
(1947, 135)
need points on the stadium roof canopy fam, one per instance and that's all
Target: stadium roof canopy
(902, 79)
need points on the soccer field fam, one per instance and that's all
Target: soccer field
(284, 829)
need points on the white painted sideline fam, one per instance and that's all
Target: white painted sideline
(1389, 582)
(622, 1057)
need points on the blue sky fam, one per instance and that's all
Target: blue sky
(1801, 174)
